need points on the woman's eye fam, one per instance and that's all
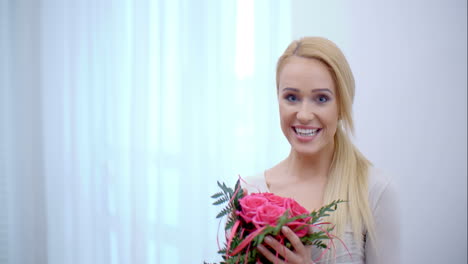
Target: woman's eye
(291, 98)
(322, 99)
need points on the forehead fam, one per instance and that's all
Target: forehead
(304, 73)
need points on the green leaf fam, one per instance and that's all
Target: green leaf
(221, 200)
(223, 212)
(217, 195)
(230, 223)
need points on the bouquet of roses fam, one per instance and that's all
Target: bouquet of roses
(251, 217)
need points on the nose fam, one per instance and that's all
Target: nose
(305, 113)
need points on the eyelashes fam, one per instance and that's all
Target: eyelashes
(291, 98)
(323, 98)
(319, 98)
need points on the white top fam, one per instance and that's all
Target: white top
(384, 207)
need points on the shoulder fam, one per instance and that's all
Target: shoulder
(255, 183)
(381, 186)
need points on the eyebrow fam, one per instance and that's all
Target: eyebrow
(313, 91)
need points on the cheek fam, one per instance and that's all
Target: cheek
(331, 119)
(283, 114)
(285, 121)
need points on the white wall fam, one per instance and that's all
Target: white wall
(410, 63)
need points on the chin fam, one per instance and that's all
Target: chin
(312, 149)
(306, 151)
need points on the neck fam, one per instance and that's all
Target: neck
(303, 167)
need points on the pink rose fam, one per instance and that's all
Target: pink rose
(295, 208)
(268, 214)
(274, 199)
(266, 208)
(250, 203)
(299, 226)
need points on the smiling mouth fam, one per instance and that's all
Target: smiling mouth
(307, 132)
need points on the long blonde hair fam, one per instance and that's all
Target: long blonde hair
(348, 178)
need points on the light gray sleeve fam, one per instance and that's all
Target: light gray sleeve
(387, 229)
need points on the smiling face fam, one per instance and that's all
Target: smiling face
(308, 105)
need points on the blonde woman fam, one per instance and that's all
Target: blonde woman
(315, 88)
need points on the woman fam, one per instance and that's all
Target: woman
(315, 89)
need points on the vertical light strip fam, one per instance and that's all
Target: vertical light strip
(139, 124)
(170, 95)
(81, 97)
(124, 141)
(154, 128)
(69, 206)
(280, 39)
(5, 131)
(154, 105)
(242, 120)
(52, 36)
(112, 129)
(82, 137)
(170, 129)
(96, 132)
(245, 39)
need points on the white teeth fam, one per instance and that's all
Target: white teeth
(306, 132)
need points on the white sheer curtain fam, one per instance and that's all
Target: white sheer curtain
(118, 118)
